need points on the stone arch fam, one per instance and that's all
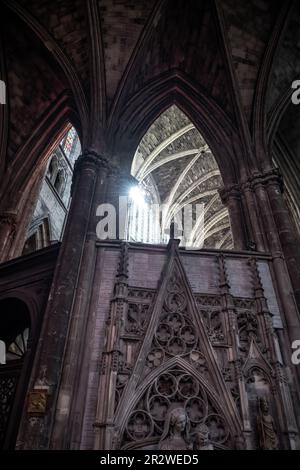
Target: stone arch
(204, 395)
(146, 106)
(174, 138)
(257, 366)
(27, 187)
(256, 359)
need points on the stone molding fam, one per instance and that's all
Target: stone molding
(268, 178)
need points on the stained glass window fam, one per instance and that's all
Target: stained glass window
(71, 145)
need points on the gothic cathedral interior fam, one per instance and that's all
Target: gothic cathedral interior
(149, 225)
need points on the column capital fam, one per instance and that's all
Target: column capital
(230, 192)
(271, 177)
(89, 159)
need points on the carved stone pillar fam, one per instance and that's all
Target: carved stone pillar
(281, 388)
(8, 222)
(267, 188)
(229, 310)
(104, 425)
(74, 374)
(258, 186)
(72, 262)
(290, 243)
(279, 237)
(255, 230)
(231, 197)
(264, 316)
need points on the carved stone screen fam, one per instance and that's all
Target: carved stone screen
(191, 356)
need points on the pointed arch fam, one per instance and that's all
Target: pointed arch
(19, 193)
(174, 87)
(173, 138)
(256, 359)
(175, 295)
(33, 154)
(175, 364)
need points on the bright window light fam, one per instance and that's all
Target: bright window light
(137, 195)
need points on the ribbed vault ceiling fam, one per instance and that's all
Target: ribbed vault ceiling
(174, 158)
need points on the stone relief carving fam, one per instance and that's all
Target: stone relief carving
(248, 327)
(202, 439)
(176, 431)
(140, 294)
(135, 324)
(213, 323)
(176, 413)
(175, 335)
(209, 307)
(124, 373)
(266, 427)
(136, 318)
(242, 303)
(257, 377)
(208, 300)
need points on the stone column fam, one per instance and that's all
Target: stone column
(256, 234)
(51, 349)
(104, 424)
(231, 197)
(267, 190)
(72, 388)
(233, 351)
(281, 391)
(281, 242)
(262, 195)
(257, 183)
(290, 243)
